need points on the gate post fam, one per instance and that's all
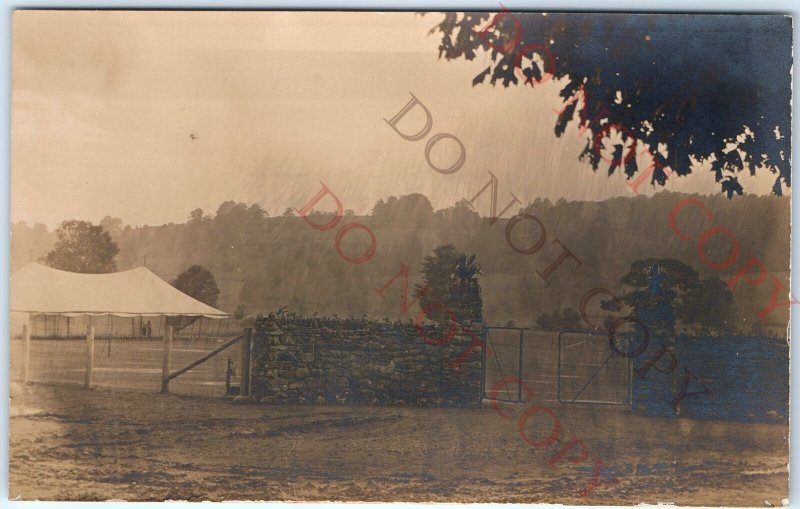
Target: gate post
(26, 353)
(166, 360)
(87, 380)
(244, 383)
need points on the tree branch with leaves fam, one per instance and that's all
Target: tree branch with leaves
(695, 89)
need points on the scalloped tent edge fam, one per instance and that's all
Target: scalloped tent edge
(36, 288)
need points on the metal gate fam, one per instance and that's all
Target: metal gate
(589, 370)
(503, 358)
(520, 364)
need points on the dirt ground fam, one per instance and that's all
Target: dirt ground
(70, 444)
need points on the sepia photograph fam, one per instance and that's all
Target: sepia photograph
(362, 256)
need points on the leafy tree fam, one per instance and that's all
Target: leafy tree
(412, 209)
(560, 319)
(460, 213)
(437, 277)
(235, 230)
(706, 303)
(466, 296)
(238, 314)
(196, 216)
(451, 278)
(83, 247)
(111, 224)
(675, 274)
(710, 306)
(230, 211)
(660, 287)
(570, 319)
(198, 282)
(695, 84)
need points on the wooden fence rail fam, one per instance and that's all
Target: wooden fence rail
(245, 368)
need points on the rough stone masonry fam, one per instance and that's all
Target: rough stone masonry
(348, 361)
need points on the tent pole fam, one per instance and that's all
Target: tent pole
(26, 356)
(87, 381)
(167, 360)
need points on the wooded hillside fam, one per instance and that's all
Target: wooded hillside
(264, 263)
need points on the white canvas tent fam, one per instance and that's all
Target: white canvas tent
(136, 292)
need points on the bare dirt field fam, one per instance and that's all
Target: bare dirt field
(71, 444)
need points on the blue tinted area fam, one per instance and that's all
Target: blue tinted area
(748, 378)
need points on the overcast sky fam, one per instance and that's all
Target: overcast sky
(148, 115)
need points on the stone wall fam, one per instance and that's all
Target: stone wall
(333, 361)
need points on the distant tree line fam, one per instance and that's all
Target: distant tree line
(261, 263)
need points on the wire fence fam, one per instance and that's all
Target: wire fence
(59, 326)
(131, 361)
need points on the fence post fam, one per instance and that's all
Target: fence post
(87, 381)
(244, 384)
(26, 353)
(167, 361)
